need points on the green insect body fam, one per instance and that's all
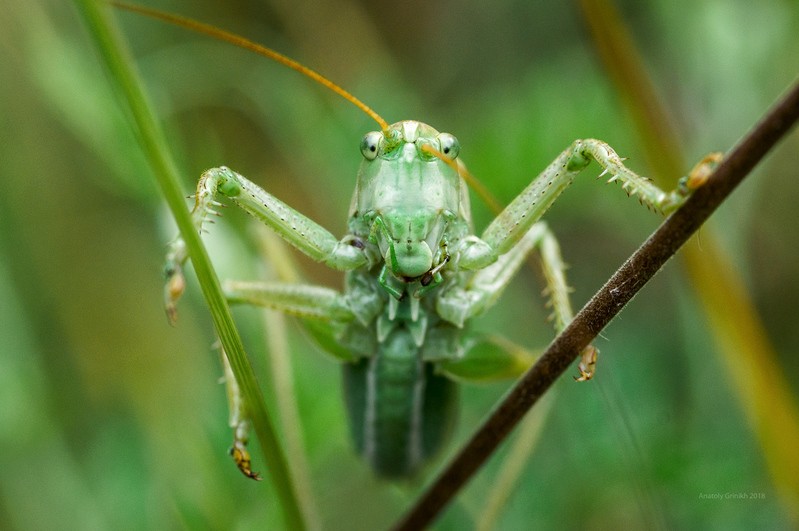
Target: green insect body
(416, 273)
(408, 207)
(400, 411)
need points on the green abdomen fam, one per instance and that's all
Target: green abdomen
(400, 411)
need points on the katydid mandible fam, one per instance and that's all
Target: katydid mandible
(416, 273)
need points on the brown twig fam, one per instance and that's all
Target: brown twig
(608, 301)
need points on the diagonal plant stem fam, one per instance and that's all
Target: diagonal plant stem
(153, 142)
(603, 306)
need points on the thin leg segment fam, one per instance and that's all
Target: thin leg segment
(300, 231)
(512, 224)
(327, 313)
(301, 300)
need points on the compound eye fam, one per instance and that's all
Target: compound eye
(449, 145)
(370, 145)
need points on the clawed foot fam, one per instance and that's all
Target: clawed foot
(242, 459)
(587, 365)
(173, 289)
(700, 173)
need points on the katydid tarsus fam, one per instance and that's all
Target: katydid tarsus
(416, 274)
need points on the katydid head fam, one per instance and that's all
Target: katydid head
(408, 190)
(410, 177)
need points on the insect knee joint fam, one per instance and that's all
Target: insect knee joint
(578, 161)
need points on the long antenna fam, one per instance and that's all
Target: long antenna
(247, 44)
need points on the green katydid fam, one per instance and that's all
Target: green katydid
(415, 271)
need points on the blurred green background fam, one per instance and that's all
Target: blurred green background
(110, 419)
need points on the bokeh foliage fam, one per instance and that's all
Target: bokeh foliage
(112, 419)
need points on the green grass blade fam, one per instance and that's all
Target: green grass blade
(153, 142)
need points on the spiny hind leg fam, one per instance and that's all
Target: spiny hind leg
(306, 235)
(459, 304)
(557, 291)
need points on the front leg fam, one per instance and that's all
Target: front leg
(300, 231)
(498, 254)
(512, 224)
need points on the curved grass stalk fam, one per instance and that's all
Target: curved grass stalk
(110, 46)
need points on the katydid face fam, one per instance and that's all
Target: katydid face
(408, 195)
